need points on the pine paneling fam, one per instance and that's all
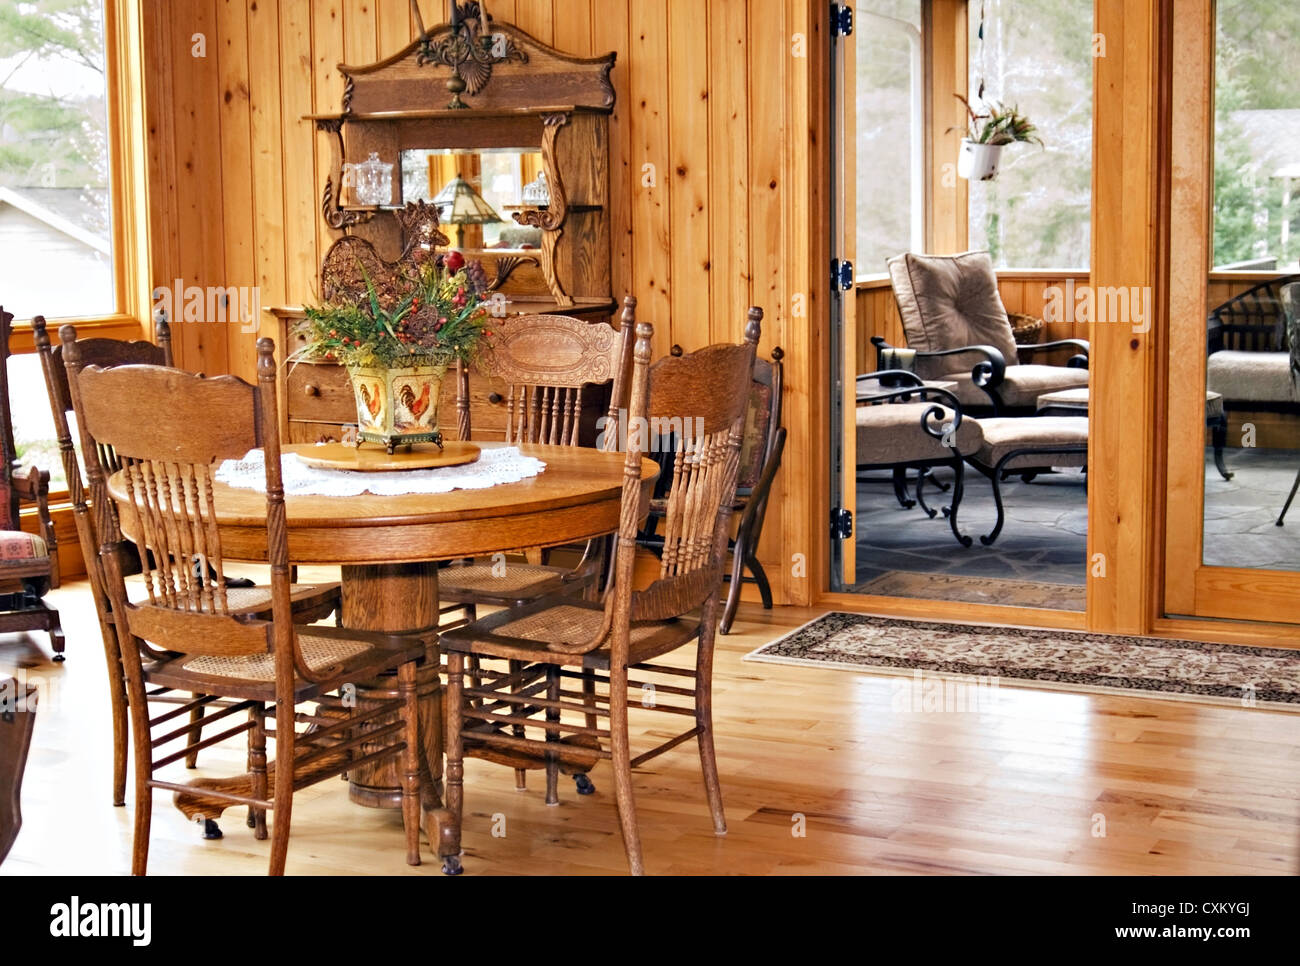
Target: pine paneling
(707, 93)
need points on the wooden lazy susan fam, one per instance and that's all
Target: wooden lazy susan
(371, 458)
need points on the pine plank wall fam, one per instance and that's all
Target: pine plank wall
(708, 93)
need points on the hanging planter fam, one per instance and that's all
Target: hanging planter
(986, 136)
(978, 162)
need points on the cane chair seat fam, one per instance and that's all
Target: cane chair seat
(339, 656)
(483, 583)
(528, 633)
(17, 545)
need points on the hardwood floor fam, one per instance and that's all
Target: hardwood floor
(1182, 788)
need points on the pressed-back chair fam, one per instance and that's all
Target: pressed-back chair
(549, 363)
(558, 639)
(29, 563)
(760, 459)
(168, 431)
(311, 602)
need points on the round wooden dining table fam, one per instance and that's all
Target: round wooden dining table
(388, 548)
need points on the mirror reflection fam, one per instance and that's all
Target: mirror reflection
(477, 191)
(1252, 411)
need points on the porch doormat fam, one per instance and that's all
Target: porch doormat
(1230, 674)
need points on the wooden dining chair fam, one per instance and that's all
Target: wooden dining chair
(169, 430)
(760, 459)
(312, 602)
(549, 363)
(29, 562)
(17, 720)
(556, 639)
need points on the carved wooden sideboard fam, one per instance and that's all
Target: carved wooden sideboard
(524, 110)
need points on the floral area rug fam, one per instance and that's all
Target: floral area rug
(1231, 674)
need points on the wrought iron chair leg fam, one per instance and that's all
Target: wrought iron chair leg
(1290, 496)
(958, 489)
(1219, 436)
(921, 476)
(996, 479)
(900, 488)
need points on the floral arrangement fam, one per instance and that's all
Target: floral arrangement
(1001, 125)
(432, 315)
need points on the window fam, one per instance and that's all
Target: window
(890, 136)
(1037, 57)
(1257, 136)
(55, 202)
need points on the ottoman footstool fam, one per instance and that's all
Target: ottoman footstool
(1024, 443)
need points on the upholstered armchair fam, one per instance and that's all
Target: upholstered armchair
(1249, 361)
(958, 330)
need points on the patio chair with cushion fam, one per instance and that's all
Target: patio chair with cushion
(1249, 361)
(904, 424)
(958, 330)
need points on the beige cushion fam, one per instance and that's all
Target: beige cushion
(892, 433)
(1251, 376)
(1003, 434)
(1021, 386)
(1073, 398)
(950, 301)
(1213, 405)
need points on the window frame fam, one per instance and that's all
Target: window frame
(124, 69)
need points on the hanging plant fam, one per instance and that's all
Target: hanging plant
(987, 134)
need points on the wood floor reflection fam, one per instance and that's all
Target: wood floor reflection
(1178, 788)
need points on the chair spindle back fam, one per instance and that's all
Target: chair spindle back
(169, 430)
(700, 400)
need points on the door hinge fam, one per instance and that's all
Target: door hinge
(841, 523)
(841, 19)
(841, 275)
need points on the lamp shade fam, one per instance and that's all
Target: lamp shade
(459, 204)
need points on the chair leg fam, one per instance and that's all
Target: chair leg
(922, 475)
(621, 760)
(455, 764)
(737, 578)
(582, 780)
(257, 768)
(1290, 496)
(988, 538)
(121, 728)
(143, 801)
(552, 716)
(195, 734)
(283, 797)
(958, 490)
(410, 761)
(704, 716)
(1219, 436)
(521, 774)
(900, 488)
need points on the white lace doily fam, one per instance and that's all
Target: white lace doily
(499, 465)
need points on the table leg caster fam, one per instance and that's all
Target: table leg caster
(451, 865)
(211, 830)
(585, 786)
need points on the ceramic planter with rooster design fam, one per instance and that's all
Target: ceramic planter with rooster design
(397, 406)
